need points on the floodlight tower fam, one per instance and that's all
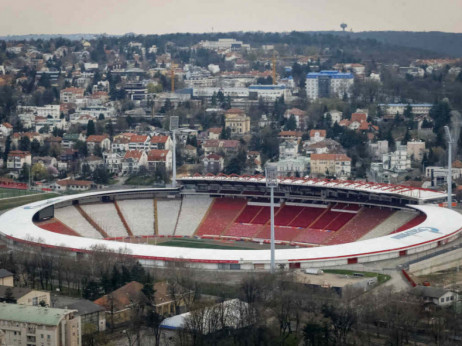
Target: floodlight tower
(272, 182)
(449, 179)
(173, 127)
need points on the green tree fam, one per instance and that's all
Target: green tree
(24, 143)
(91, 130)
(291, 123)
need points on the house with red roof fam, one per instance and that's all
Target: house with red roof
(6, 129)
(133, 160)
(139, 142)
(17, 159)
(161, 142)
(159, 157)
(102, 141)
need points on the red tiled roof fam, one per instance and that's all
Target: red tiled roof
(290, 134)
(157, 155)
(133, 154)
(234, 111)
(359, 117)
(216, 130)
(7, 125)
(138, 139)
(296, 111)
(159, 139)
(322, 133)
(18, 153)
(213, 157)
(96, 138)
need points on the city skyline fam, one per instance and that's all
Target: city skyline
(163, 16)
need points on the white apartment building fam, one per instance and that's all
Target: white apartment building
(397, 161)
(327, 84)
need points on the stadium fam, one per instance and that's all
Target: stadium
(318, 222)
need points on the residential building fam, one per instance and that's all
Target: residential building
(34, 325)
(214, 132)
(17, 159)
(338, 165)
(288, 149)
(213, 163)
(435, 295)
(73, 185)
(161, 142)
(399, 108)
(317, 135)
(139, 142)
(397, 161)
(25, 296)
(416, 150)
(438, 175)
(113, 162)
(69, 140)
(159, 158)
(6, 278)
(102, 141)
(92, 316)
(299, 116)
(269, 93)
(336, 116)
(120, 145)
(70, 95)
(6, 129)
(378, 149)
(327, 84)
(133, 160)
(227, 146)
(237, 121)
(293, 166)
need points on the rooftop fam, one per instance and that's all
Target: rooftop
(32, 314)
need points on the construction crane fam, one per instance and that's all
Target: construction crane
(274, 67)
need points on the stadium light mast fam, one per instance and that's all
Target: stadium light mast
(272, 182)
(449, 179)
(174, 120)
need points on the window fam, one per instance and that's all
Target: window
(442, 300)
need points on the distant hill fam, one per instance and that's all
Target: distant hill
(441, 43)
(449, 44)
(73, 37)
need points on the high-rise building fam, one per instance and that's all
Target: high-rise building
(328, 84)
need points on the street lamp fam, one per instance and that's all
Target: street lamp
(449, 179)
(174, 120)
(272, 182)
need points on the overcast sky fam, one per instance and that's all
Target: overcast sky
(166, 16)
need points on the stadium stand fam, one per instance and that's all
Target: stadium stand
(54, 225)
(167, 215)
(307, 216)
(106, 217)
(222, 212)
(340, 221)
(74, 220)
(364, 221)
(139, 214)
(414, 222)
(280, 233)
(243, 230)
(395, 221)
(286, 215)
(325, 219)
(312, 236)
(263, 216)
(193, 209)
(248, 213)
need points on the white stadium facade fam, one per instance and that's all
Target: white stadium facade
(349, 222)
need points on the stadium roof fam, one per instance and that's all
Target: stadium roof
(377, 188)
